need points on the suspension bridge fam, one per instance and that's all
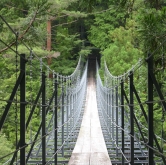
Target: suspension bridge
(83, 119)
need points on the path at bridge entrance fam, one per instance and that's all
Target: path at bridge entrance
(90, 148)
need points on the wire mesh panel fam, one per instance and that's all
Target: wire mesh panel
(123, 103)
(42, 108)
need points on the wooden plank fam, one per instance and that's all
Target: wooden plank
(79, 159)
(99, 158)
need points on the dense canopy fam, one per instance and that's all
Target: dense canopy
(122, 32)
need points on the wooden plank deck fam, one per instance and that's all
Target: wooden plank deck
(90, 148)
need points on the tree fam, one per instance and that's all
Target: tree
(104, 22)
(5, 148)
(122, 53)
(24, 23)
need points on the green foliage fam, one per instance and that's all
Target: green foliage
(104, 23)
(122, 53)
(123, 30)
(84, 52)
(63, 65)
(122, 46)
(5, 147)
(65, 43)
(152, 27)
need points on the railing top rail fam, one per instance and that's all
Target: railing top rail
(126, 74)
(33, 53)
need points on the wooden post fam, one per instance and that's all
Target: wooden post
(49, 35)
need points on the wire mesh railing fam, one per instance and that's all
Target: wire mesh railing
(132, 107)
(40, 108)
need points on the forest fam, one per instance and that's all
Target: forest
(121, 31)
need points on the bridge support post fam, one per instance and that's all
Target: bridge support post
(73, 101)
(131, 120)
(122, 118)
(67, 118)
(22, 111)
(70, 116)
(109, 112)
(44, 119)
(55, 121)
(62, 121)
(117, 120)
(113, 143)
(150, 111)
(106, 108)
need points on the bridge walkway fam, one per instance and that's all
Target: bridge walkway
(90, 148)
